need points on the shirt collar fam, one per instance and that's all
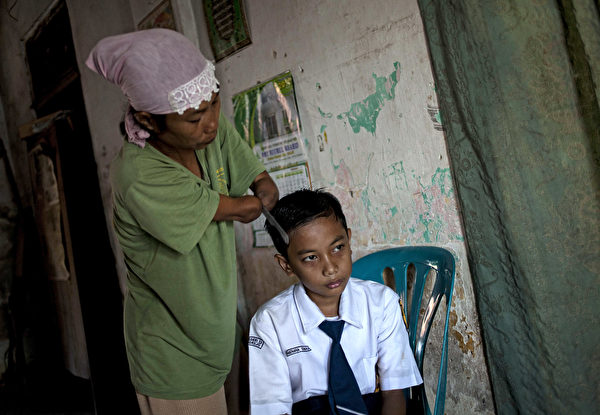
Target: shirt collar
(311, 316)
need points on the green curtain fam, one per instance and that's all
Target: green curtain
(518, 85)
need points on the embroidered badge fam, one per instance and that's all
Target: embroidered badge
(296, 350)
(222, 183)
(256, 342)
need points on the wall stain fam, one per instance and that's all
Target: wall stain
(365, 193)
(344, 188)
(465, 346)
(335, 166)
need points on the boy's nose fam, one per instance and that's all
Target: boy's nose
(329, 267)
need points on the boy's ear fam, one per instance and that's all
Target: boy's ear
(284, 264)
(349, 231)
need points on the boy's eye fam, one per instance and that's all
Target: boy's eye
(309, 258)
(338, 248)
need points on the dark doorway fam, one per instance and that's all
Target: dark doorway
(89, 256)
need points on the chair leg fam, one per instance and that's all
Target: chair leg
(415, 404)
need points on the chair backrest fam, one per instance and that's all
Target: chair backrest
(424, 258)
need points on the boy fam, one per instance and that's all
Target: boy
(292, 349)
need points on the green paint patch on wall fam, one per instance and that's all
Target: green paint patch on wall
(335, 166)
(443, 179)
(394, 210)
(325, 114)
(364, 196)
(363, 114)
(396, 175)
(431, 202)
(323, 128)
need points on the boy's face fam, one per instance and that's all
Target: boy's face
(319, 255)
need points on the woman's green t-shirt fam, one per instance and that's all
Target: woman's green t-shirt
(180, 308)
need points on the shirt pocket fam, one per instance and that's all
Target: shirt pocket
(369, 377)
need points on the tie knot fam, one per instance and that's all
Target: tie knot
(333, 329)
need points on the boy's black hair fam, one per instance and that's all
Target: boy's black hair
(302, 207)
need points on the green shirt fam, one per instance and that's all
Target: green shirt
(180, 307)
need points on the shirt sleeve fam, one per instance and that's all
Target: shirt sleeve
(270, 385)
(172, 206)
(242, 164)
(396, 364)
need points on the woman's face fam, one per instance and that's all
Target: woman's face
(195, 128)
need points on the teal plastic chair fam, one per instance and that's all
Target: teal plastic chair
(425, 259)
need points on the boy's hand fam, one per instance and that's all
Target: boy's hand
(265, 189)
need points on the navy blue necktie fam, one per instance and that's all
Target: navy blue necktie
(344, 394)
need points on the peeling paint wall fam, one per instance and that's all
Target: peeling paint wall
(373, 132)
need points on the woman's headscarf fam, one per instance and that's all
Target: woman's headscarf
(160, 71)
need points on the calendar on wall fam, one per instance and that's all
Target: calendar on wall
(266, 116)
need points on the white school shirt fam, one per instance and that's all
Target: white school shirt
(289, 354)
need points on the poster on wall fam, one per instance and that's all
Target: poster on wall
(266, 116)
(227, 26)
(161, 17)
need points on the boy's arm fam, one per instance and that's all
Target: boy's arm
(247, 208)
(268, 372)
(396, 365)
(393, 402)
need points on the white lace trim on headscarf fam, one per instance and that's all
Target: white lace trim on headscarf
(192, 93)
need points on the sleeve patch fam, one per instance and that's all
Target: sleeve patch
(297, 349)
(256, 342)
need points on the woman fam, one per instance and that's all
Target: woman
(179, 182)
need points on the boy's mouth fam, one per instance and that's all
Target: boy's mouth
(335, 284)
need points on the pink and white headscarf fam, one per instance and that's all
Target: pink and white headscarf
(160, 71)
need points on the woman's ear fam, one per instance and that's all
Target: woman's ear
(146, 120)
